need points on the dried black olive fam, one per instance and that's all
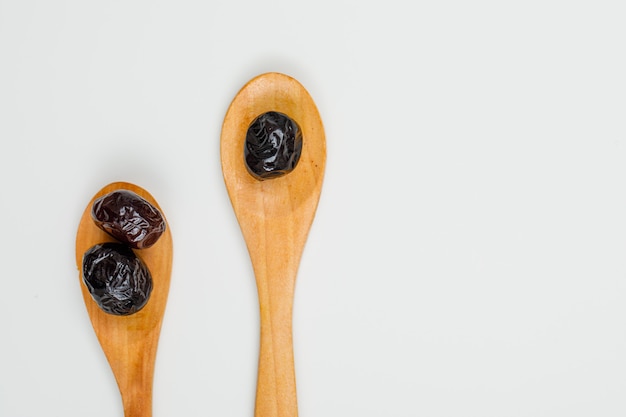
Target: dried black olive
(118, 281)
(129, 218)
(273, 145)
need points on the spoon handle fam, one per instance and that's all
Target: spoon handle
(137, 395)
(132, 357)
(276, 383)
(275, 243)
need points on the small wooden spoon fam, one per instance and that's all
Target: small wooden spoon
(275, 216)
(129, 342)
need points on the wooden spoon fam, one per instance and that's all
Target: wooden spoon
(130, 342)
(275, 216)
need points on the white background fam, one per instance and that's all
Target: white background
(468, 257)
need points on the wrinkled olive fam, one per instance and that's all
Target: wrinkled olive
(273, 145)
(129, 218)
(118, 281)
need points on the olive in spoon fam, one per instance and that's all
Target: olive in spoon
(275, 213)
(129, 341)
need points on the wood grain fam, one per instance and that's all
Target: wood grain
(129, 342)
(275, 216)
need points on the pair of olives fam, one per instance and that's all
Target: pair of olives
(117, 279)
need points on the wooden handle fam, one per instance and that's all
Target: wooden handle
(275, 270)
(276, 384)
(136, 382)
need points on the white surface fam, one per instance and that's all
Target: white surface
(468, 257)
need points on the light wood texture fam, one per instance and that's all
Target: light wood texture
(130, 342)
(275, 216)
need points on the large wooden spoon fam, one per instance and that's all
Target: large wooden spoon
(275, 216)
(130, 342)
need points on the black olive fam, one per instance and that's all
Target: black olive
(273, 145)
(129, 218)
(118, 281)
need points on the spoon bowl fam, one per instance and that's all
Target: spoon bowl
(275, 216)
(129, 342)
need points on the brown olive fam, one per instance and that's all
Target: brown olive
(129, 218)
(118, 281)
(273, 145)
